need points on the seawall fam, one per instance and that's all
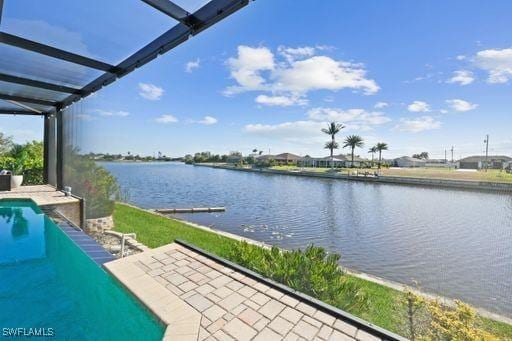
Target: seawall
(411, 181)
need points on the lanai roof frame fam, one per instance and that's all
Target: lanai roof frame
(46, 93)
(188, 25)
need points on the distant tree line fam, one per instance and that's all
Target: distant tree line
(128, 157)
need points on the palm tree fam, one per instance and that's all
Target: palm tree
(380, 147)
(332, 129)
(331, 145)
(373, 150)
(353, 141)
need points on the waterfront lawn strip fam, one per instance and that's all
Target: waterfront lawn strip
(154, 231)
(492, 175)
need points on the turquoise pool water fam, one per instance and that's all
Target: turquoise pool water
(47, 282)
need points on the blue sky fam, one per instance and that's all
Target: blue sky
(421, 76)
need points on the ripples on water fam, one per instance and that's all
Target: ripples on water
(454, 243)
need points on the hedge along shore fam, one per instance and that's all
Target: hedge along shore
(361, 275)
(487, 186)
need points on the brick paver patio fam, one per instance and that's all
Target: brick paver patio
(232, 306)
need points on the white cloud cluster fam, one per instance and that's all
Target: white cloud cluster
(165, 119)
(297, 72)
(150, 91)
(461, 105)
(498, 63)
(309, 131)
(302, 132)
(191, 65)
(418, 106)
(358, 119)
(282, 101)
(247, 68)
(462, 77)
(381, 105)
(416, 125)
(291, 54)
(208, 120)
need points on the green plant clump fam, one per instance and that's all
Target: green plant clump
(23, 159)
(92, 182)
(311, 271)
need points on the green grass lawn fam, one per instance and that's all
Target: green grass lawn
(493, 175)
(153, 231)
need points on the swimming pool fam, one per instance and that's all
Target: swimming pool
(49, 285)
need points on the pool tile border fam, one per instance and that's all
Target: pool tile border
(87, 244)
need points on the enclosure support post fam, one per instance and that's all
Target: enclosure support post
(46, 148)
(60, 151)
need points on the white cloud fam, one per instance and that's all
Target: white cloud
(461, 105)
(303, 132)
(416, 125)
(462, 77)
(380, 105)
(357, 119)
(498, 63)
(291, 54)
(119, 113)
(297, 72)
(208, 120)
(460, 57)
(307, 132)
(282, 101)
(246, 68)
(191, 65)
(150, 91)
(168, 118)
(418, 106)
(323, 73)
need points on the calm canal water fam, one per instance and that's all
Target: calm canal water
(453, 243)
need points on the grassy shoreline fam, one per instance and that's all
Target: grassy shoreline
(154, 231)
(492, 175)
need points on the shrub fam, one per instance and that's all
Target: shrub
(90, 181)
(459, 323)
(432, 320)
(25, 159)
(312, 271)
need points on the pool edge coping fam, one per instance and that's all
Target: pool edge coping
(180, 320)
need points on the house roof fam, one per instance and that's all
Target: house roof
(408, 158)
(265, 157)
(287, 157)
(328, 158)
(348, 157)
(481, 158)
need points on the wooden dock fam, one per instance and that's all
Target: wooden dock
(190, 210)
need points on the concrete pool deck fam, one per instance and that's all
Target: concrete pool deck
(42, 195)
(49, 197)
(199, 298)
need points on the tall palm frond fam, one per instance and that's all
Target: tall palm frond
(353, 141)
(380, 147)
